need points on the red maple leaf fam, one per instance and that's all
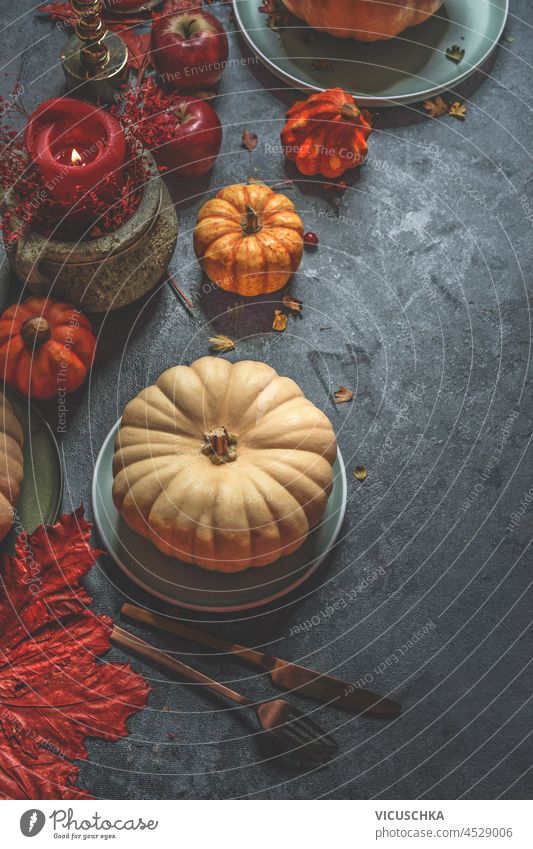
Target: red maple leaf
(53, 691)
(138, 44)
(58, 11)
(61, 10)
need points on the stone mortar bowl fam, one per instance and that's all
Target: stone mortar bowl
(111, 271)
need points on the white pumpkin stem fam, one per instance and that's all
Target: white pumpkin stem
(220, 446)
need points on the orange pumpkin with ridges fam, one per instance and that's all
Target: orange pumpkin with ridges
(326, 134)
(249, 239)
(45, 347)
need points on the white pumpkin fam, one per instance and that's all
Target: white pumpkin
(223, 465)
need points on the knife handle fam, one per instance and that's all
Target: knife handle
(256, 658)
(131, 642)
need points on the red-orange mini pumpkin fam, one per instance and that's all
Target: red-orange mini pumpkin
(46, 348)
(326, 134)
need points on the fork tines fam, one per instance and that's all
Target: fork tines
(308, 739)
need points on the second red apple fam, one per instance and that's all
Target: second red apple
(194, 138)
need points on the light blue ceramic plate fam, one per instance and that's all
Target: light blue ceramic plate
(189, 586)
(405, 69)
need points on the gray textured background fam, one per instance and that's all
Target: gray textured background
(422, 283)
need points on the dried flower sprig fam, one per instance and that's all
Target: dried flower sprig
(149, 114)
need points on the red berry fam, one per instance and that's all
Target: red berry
(310, 240)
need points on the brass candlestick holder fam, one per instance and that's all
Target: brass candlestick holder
(94, 60)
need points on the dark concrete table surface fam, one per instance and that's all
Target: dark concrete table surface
(417, 299)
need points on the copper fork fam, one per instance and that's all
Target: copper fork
(298, 734)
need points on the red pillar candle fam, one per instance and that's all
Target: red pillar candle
(77, 147)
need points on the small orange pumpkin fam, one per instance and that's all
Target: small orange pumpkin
(249, 239)
(46, 348)
(326, 134)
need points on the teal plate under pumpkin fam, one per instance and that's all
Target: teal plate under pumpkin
(42, 484)
(411, 67)
(198, 589)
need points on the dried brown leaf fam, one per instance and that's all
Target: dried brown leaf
(280, 321)
(436, 107)
(342, 395)
(292, 302)
(455, 53)
(220, 344)
(457, 110)
(276, 17)
(249, 140)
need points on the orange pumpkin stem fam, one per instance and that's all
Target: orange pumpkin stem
(35, 331)
(220, 446)
(251, 223)
(350, 112)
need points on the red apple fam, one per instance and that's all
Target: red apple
(189, 49)
(191, 137)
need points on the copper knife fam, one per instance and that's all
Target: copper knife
(287, 676)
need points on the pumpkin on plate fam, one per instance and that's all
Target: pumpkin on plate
(326, 134)
(363, 20)
(11, 464)
(223, 465)
(46, 347)
(249, 239)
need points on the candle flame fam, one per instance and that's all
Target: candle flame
(75, 158)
